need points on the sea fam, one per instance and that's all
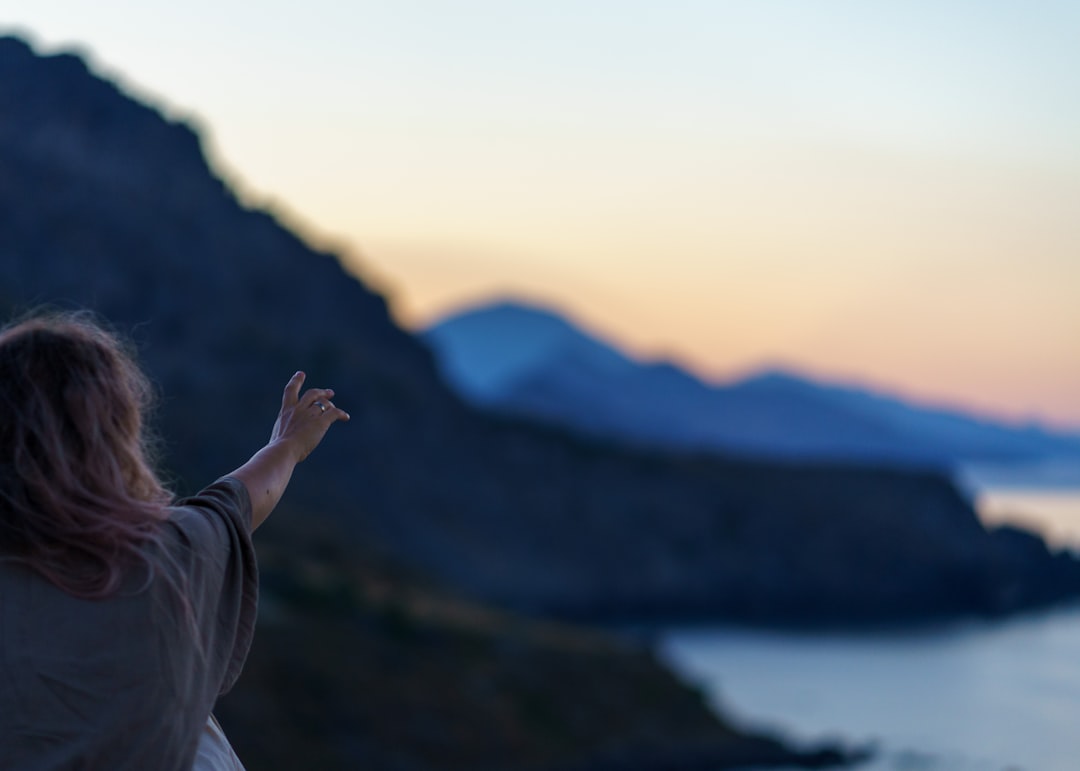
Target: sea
(966, 696)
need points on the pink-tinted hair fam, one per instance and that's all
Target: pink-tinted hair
(79, 500)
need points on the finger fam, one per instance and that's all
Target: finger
(313, 395)
(292, 389)
(332, 412)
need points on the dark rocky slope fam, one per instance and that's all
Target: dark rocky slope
(356, 666)
(358, 663)
(105, 204)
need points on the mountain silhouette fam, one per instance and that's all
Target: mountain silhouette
(527, 360)
(367, 639)
(104, 204)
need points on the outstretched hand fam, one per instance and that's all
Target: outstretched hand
(300, 426)
(305, 418)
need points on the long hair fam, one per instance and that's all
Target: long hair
(79, 499)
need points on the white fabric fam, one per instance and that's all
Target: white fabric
(215, 753)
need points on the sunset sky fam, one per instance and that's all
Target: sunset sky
(879, 192)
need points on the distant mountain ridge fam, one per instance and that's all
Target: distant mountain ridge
(527, 360)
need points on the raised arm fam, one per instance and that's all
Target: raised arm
(300, 426)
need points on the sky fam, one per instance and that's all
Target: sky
(875, 192)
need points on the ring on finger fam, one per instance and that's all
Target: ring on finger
(320, 405)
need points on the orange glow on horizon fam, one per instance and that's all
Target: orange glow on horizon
(953, 369)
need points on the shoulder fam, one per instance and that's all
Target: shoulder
(208, 535)
(221, 510)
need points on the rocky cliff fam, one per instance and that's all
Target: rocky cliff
(359, 662)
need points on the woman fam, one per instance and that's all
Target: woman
(122, 616)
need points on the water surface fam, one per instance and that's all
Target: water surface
(972, 696)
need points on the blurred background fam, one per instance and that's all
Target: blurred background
(714, 364)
